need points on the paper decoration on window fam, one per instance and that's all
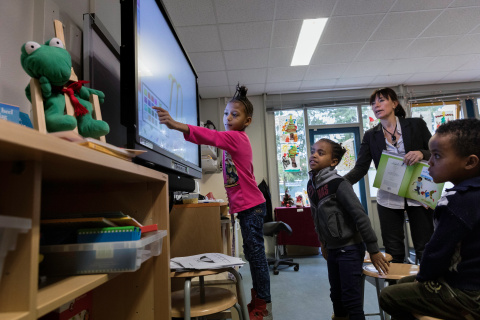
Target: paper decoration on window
(442, 117)
(290, 159)
(372, 120)
(348, 160)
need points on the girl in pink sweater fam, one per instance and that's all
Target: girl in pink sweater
(243, 194)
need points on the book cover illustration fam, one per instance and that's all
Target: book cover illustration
(413, 182)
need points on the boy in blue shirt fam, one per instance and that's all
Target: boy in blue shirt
(448, 284)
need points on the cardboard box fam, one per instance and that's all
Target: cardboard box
(9, 112)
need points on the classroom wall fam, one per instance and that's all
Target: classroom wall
(212, 109)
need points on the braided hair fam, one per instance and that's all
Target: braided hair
(337, 150)
(464, 135)
(241, 96)
(389, 93)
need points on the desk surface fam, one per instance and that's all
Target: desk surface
(301, 222)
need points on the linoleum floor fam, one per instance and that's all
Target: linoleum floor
(305, 294)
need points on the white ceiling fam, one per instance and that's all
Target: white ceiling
(366, 43)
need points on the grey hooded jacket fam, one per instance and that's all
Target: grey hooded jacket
(339, 217)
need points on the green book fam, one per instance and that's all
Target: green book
(412, 182)
(109, 234)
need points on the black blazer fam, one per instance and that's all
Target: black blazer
(415, 136)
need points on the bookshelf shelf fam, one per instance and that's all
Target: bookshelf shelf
(44, 176)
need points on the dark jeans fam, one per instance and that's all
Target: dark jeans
(393, 235)
(431, 298)
(251, 224)
(345, 275)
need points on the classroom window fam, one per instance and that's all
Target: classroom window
(291, 153)
(334, 115)
(436, 113)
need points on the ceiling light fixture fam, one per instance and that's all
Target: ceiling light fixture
(307, 41)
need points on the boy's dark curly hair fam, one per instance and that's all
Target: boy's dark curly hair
(241, 96)
(465, 135)
(337, 150)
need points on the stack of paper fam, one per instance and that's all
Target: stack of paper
(204, 261)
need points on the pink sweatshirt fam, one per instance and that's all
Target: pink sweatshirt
(239, 181)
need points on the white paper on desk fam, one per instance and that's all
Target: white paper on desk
(205, 261)
(393, 175)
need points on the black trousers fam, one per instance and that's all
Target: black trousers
(393, 235)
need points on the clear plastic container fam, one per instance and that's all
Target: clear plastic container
(100, 257)
(10, 227)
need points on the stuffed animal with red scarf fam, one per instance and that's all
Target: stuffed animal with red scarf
(51, 64)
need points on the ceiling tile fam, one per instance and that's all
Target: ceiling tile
(420, 5)
(285, 33)
(465, 20)
(246, 59)
(346, 8)
(316, 85)
(199, 38)
(350, 29)
(426, 78)
(286, 74)
(350, 83)
(247, 76)
(465, 3)
(379, 50)
(460, 76)
(467, 44)
(282, 87)
(404, 66)
(367, 68)
(476, 30)
(212, 79)
(190, 12)
(366, 43)
(251, 35)
(280, 57)
(336, 53)
(214, 92)
(390, 81)
(231, 11)
(404, 25)
(303, 9)
(472, 64)
(428, 47)
(448, 63)
(325, 71)
(208, 61)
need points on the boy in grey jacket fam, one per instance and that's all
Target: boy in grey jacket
(343, 228)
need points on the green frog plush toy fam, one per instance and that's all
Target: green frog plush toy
(51, 64)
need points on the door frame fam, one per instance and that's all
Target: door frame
(356, 143)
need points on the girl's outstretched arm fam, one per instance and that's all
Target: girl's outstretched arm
(167, 120)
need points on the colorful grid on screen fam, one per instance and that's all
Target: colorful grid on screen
(149, 100)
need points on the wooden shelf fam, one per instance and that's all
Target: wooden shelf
(14, 315)
(64, 290)
(45, 175)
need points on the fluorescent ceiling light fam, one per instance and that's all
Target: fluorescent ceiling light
(307, 41)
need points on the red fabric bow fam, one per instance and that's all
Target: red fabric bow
(79, 109)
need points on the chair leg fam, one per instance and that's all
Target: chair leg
(187, 287)
(377, 287)
(239, 310)
(240, 293)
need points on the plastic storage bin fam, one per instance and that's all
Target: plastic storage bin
(10, 227)
(100, 257)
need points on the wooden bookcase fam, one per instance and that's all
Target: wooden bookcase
(41, 175)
